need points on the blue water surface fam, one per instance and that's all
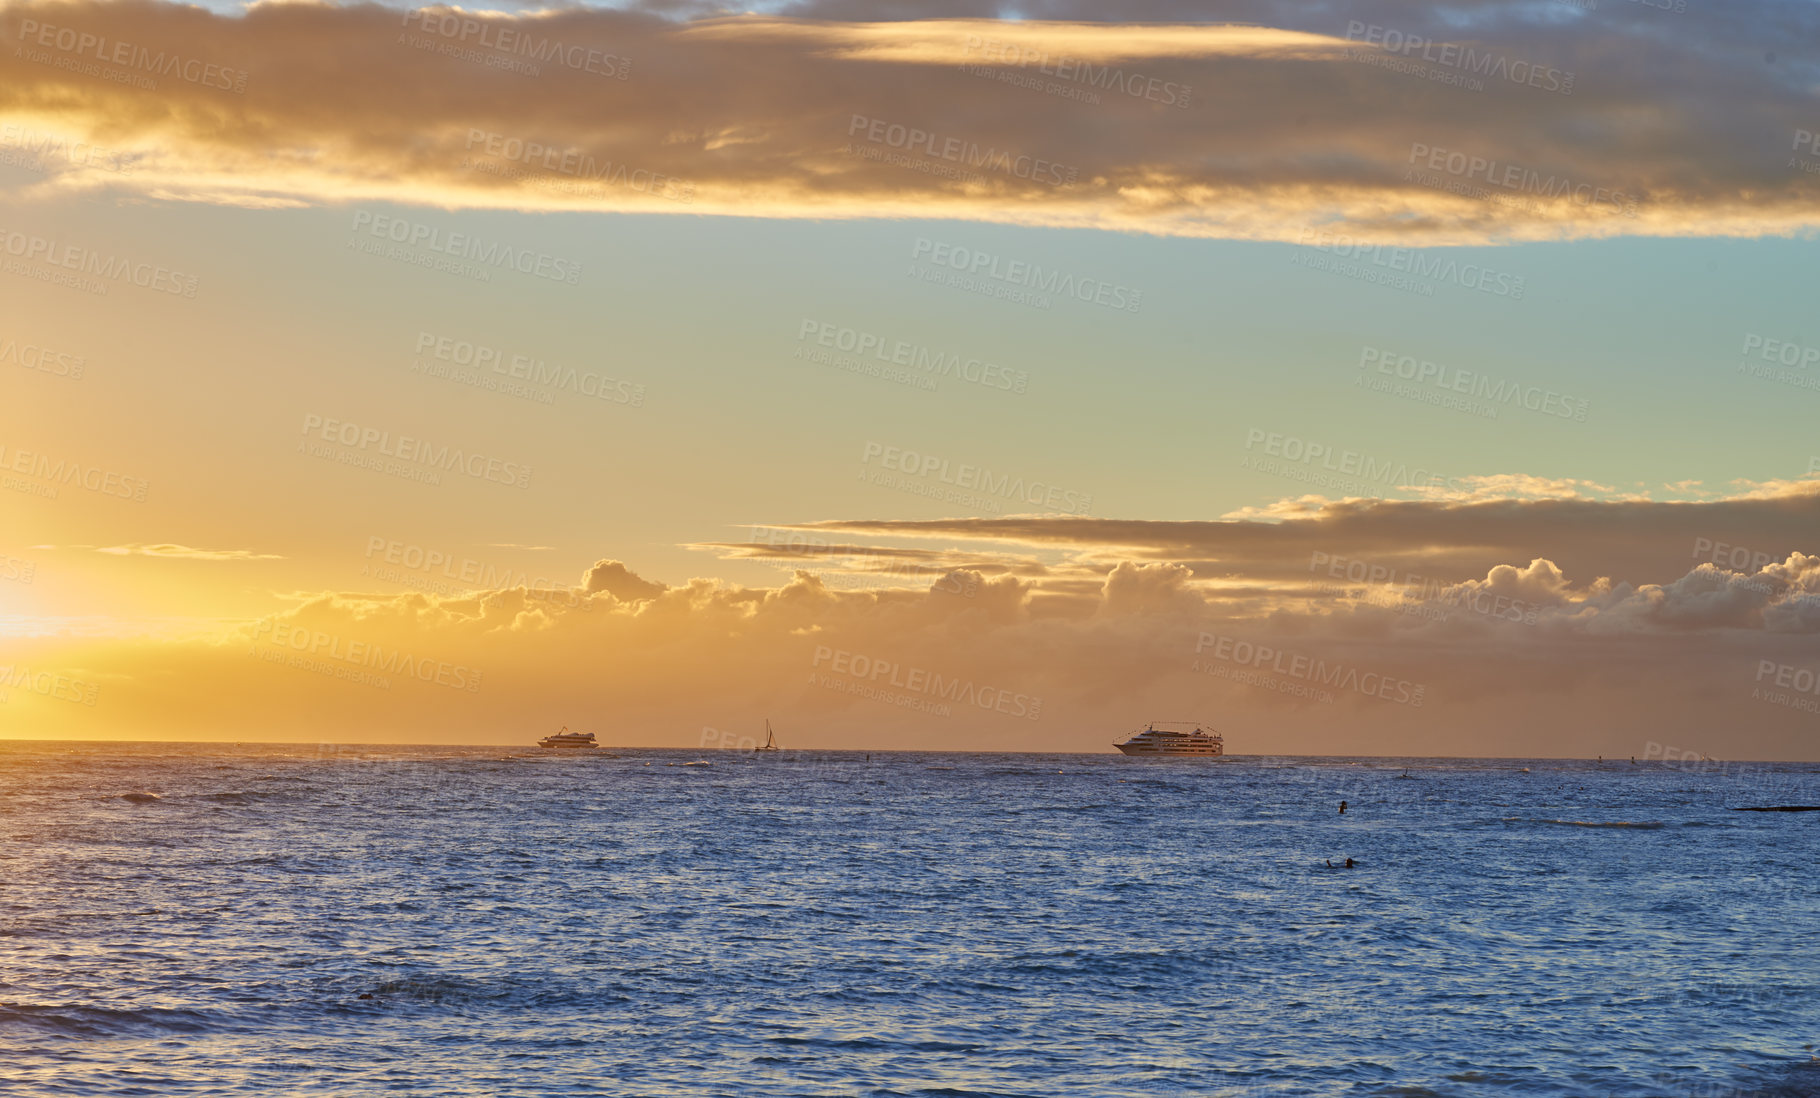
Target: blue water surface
(277, 920)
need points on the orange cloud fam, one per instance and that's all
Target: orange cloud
(1252, 132)
(173, 551)
(1375, 627)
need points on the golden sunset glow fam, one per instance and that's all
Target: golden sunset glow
(443, 375)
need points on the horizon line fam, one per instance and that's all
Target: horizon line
(889, 750)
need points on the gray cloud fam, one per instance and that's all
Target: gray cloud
(1673, 126)
(1640, 541)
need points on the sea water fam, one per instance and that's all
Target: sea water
(319, 920)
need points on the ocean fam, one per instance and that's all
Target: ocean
(197, 919)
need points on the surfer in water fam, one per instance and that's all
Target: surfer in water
(1342, 808)
(1348, 864)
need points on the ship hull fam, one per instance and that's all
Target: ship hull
(1151, 749)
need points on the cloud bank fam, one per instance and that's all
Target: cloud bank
(1329, 127)
(1372, 627)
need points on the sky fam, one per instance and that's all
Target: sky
(1375, 379)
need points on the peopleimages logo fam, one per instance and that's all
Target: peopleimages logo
(1779, 360)
(900, 352)
(1738, 558)
(921, 684)
(859, 565)
(446, 573)
(1031, 276)
(1473, 384)
(414, 234)
(1307, 670)
(515, 367)
(575, 163)
(910, 139)
(1104, 77)
(1690, 759)
(416, 451)
(32, 356)
(1515, 178)
(1799, 687)
(1412, 591)
(1350, 463)
(465, 30)
(1803, 680)
(49, 684)
(19, 571)
(1780, 351)
(1441, 268)
(80, 47)
(32, 249)
(33, 150)
(975, 478)
(61, 471)
(1465, 59)
(317, 645)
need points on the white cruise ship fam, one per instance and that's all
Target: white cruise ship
(1170, 738)
(566, 738)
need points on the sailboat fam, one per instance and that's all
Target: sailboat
(770, 743)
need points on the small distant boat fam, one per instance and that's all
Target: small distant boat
(1174, 738)
(566, 738)
(770, 743)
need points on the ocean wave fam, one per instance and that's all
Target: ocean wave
(1642, 825)
(73, 1020)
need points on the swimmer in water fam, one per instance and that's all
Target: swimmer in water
(1342, 808)
(1349, 863)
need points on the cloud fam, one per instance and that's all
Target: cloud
(614, 578)
(908, 566)
(1517, 486)
(1149, 589)
(1304, 123)
(971, 41)
(1411, 627)
(171, 550)
(1450, 539)
(1457, 489)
